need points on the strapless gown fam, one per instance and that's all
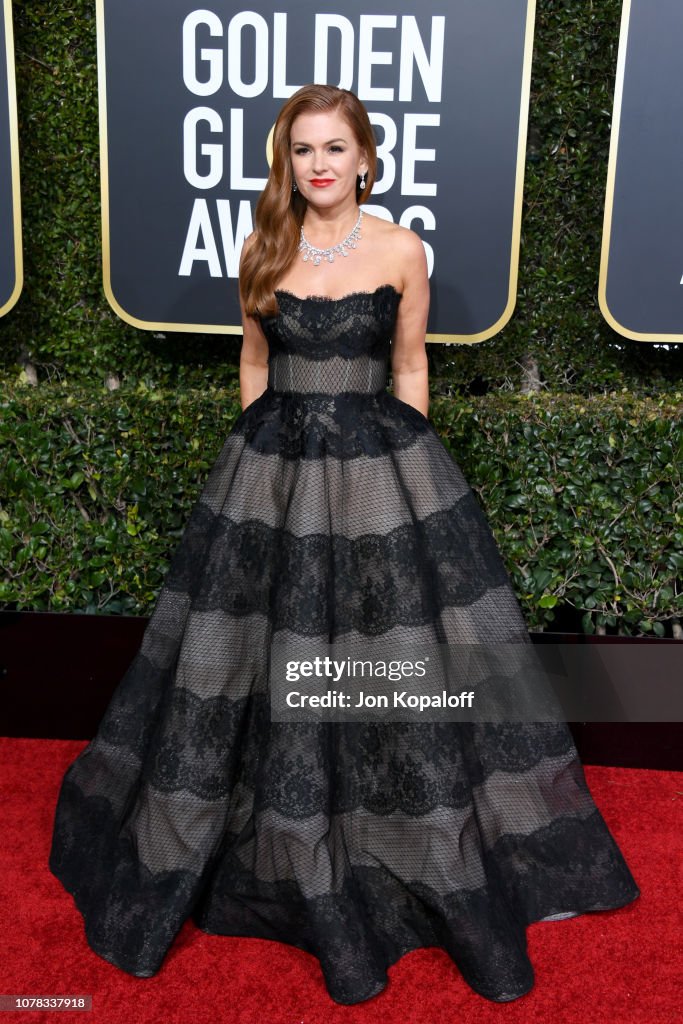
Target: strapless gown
(333, 512)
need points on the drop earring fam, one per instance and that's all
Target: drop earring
(294, 186)
(362, 181)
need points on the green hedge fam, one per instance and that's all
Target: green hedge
(584, 495)
(65, 325)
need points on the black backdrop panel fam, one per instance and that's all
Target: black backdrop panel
(10, 240)
(641, 282)
(187, 102)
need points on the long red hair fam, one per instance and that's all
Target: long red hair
(280, 211)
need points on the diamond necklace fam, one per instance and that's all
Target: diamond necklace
(312, 252)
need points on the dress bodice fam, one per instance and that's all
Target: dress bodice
(331, 346)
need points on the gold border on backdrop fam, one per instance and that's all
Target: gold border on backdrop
(609, 192)
(14, 160)
(230, 329)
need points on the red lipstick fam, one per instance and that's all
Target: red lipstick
(322, 182)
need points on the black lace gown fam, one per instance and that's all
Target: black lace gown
(332, 511)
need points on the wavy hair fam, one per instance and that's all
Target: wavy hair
(280, 211)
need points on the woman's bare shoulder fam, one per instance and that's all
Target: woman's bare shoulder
(386, 232)
(398, 248)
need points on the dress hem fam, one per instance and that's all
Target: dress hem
(411, 949)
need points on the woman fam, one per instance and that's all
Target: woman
(333, 513)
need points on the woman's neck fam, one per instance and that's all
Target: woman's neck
(329, 225)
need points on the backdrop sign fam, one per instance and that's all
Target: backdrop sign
(188, 98)
(641, 272)
(11, 272)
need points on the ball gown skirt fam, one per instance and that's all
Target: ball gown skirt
(333, 512)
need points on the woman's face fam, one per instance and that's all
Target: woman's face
(326, 158)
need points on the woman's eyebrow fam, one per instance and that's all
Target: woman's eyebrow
(329, 141)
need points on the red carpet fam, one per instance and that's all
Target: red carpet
(622, 965)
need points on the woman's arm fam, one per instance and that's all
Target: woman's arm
(253, 354)
(409, 364)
